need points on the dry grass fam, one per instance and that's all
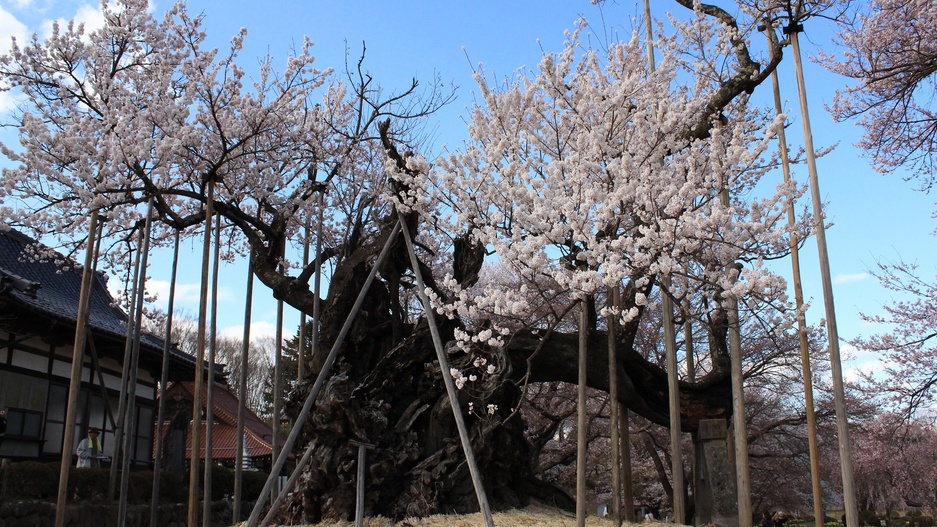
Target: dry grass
(535, 515)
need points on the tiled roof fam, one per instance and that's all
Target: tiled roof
(59, 289)
(224, 443)
(257, 434)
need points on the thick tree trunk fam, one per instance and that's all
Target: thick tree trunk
(387, 390)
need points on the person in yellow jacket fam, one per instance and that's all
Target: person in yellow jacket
(89, 450)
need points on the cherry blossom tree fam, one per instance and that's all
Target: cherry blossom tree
(908, 349)
(896, 465)
(586, 174)
(891, 51)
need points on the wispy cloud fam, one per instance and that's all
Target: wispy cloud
(259, 330)
(187, 295)
(848, 278)
(91, 17)
(858, 361)
(11, 27)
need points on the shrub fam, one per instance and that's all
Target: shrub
(868, 517)
(88, 484)
(252, 483)
(32, 480)
(222, 481)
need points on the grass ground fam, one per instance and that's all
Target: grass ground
(532, 516)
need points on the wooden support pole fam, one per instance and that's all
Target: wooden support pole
(316, 387)
(130, 420)
(742, 472)
(613, 408)
(301, 345)
(277, 389)
(582, 417)
(359, 484)
(96, 364)
(690, 378)
(673, 388)
(163, 380)
(627, 482)
(245, 350)
(124, 377)
(192, 517)
(210, 387)
(317, 280)
(806, 368)
(670, 343)
(448, 382)
(74, 384)
(839, 394)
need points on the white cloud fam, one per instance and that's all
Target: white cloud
(259, 330)
(857, 361)
(11, 27)
(91, 17)
(847, 278)
(187, 295)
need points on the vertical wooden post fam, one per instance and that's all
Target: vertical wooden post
(163, 380)
(742, 473)
(301, 345)
(447, 380)
(359, 492)
(317, 280)
(130, 419)
(839, 396)
(673, 387)
(245, 349)
(316, 387)
(670, 344)
(691, 378)
(74, 384)
(124, 378)
(739, 426)
(192, 517)
(210, 387)
(359, 484)
(277, 389)
(649, 34)
(582, 421)
(799, 304)
(627, 487)
(613, 408)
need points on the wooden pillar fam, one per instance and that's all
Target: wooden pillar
(613, 409)
(359, 484)
(799, 304)
(163, 380)
(130, 419)
(75, 380)
(192, 517)
(245, 349)
(839, 394)
(582, 420)
(210, 387)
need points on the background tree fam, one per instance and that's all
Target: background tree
(227, 354)
(891, 51)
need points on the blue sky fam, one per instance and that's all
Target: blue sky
(874, 216)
